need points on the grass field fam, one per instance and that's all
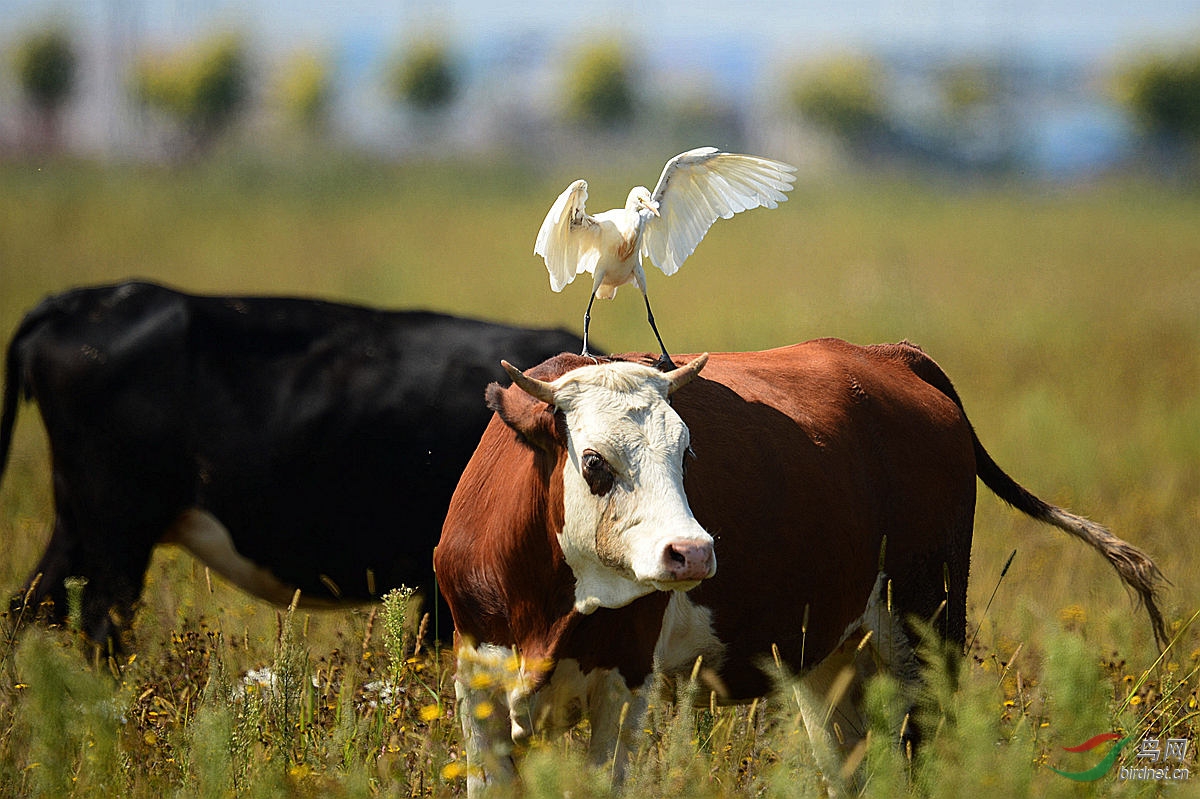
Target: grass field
(1068, 317)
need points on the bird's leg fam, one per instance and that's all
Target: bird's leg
(587, 320)
(664, 361)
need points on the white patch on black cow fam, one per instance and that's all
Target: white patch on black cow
(202, 534)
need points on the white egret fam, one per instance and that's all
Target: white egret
(695, 189)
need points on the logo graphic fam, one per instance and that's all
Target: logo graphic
(1100, 769)
(1154, 759)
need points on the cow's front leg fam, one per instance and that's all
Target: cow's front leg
(482, 698)
(617, 714)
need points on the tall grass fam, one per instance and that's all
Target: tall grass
(1068, 318)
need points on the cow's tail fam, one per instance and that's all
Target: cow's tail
(14, 372)
(12, 398)
(1135, 567)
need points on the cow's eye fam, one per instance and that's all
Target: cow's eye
(597, 472)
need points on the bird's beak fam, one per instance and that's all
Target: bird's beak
(652, 207)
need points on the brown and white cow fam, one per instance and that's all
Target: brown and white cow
(837, 483)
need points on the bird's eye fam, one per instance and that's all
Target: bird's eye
(597, 473)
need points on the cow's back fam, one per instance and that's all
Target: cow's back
(806, 457)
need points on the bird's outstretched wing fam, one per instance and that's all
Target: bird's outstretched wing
(700, 186)
(568, 238)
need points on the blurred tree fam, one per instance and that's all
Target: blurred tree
(424, 77)
(203, 87)
(967, 86)
(1163, 91)
(45, 65)
(600, 85)
(305, 90)
(843, 94)
(697, 116)
(974, 127)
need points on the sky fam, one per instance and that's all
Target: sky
(1080, 28)
(736, 44)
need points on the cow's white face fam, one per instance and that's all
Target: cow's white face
(627, 529)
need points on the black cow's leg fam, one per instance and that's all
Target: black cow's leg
(108, 588)
(46, 580)
(109, 561)
(111, 592)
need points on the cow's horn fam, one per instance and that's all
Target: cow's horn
(681, 376)
(531, 386)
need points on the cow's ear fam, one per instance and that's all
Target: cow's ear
(531, 418)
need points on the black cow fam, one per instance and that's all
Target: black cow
(288, 443)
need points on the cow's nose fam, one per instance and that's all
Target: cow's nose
(689, 560)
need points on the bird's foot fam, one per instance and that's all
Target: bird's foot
(664, 363)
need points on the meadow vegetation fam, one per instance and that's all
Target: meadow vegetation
(1068, 317)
